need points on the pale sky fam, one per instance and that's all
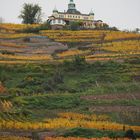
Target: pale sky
(124, 14)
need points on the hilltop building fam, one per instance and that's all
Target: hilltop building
(58, 20)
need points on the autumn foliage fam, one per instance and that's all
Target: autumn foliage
(87, 36)
(69, 120)
(13, 138)
(71, 138)
(2, 88)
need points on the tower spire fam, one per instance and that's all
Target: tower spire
(71, 5)
(91, 12)
(55, 9)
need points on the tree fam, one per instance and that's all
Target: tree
(75, 25)
(2, 88)
(137, 30)
(31, 13)
(130, 134)
(105, 26)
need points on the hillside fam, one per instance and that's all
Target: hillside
(57, 84)
(61, 45)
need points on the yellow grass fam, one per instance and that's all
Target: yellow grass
(37, 57)
(11, 26)
(14, 45)
(87, 36)
(72, 53)
(15, 35)
(72, 138)
(131, 46)
(13, 138)
(66, 123)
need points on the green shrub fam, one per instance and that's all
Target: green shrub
(44, 26)
(130, 134)
(91, 133)
(26, 39)
(7, 52)
(78, 63)
(74, 26)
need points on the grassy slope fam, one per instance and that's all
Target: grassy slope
(40, 91)
(61, 86)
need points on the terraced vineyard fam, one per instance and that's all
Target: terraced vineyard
(102, 45)
(14, 138)
(94, 45)
(69, 85)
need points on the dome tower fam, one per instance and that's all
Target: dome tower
(72, 8)
(71, 5)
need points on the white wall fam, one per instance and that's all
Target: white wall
(57, 22)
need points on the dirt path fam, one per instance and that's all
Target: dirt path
(41, 135)
(34, 47)
(127, 96)
(113, 108)
(14, 133)
(106, 109)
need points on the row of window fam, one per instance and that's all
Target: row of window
(72, 16)
(58, 21)
(61, 16)
(89, 25)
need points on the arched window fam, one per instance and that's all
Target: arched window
(54, 21)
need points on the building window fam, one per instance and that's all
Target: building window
(86, 18)
(59, 21)
(61, 16)
(54, 21)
